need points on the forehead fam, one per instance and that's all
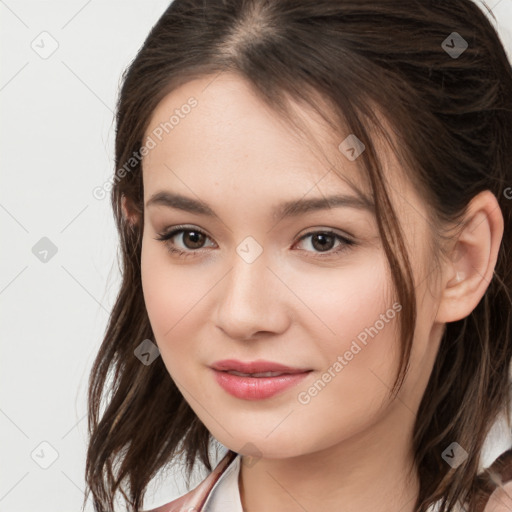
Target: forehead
(230, 131)
(215, 131)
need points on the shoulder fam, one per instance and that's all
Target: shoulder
(494, 492)
(195, 499)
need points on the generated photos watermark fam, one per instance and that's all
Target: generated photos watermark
(357, 345)
(100, 192)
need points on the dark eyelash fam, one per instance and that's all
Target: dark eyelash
(345, 246)
(165, 238)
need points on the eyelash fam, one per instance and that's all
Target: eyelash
(165, 237)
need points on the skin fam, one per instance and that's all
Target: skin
(351, 444)
(501, 499)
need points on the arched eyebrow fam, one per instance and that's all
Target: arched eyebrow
(286, 209)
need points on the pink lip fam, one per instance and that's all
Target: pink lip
(255, 366)
(256, 388)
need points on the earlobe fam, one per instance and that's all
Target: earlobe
(469, 270)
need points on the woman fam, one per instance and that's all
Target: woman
(313, 202)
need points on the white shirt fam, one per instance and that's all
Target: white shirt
(225, 494)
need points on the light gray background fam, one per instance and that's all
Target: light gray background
(57, 136)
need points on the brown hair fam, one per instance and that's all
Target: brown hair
(452, 119)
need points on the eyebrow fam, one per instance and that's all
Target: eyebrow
(290, 208)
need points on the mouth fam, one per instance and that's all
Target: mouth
(257, 375)
(256, 368)
(256, 380)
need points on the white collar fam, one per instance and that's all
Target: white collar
(225, 494)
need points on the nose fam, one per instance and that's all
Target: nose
(252, 301)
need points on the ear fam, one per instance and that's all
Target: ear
(129, 215)
(469, 269)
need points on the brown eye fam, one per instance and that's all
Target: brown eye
(196, 239)
(184, 241)
(322, 241)
(327, 242)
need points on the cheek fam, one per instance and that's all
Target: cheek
(172, 295)
(354, 330)
(352, 303)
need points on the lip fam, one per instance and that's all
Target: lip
(255, 366)
(256, 388)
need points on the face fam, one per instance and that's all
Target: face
(237, 279)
